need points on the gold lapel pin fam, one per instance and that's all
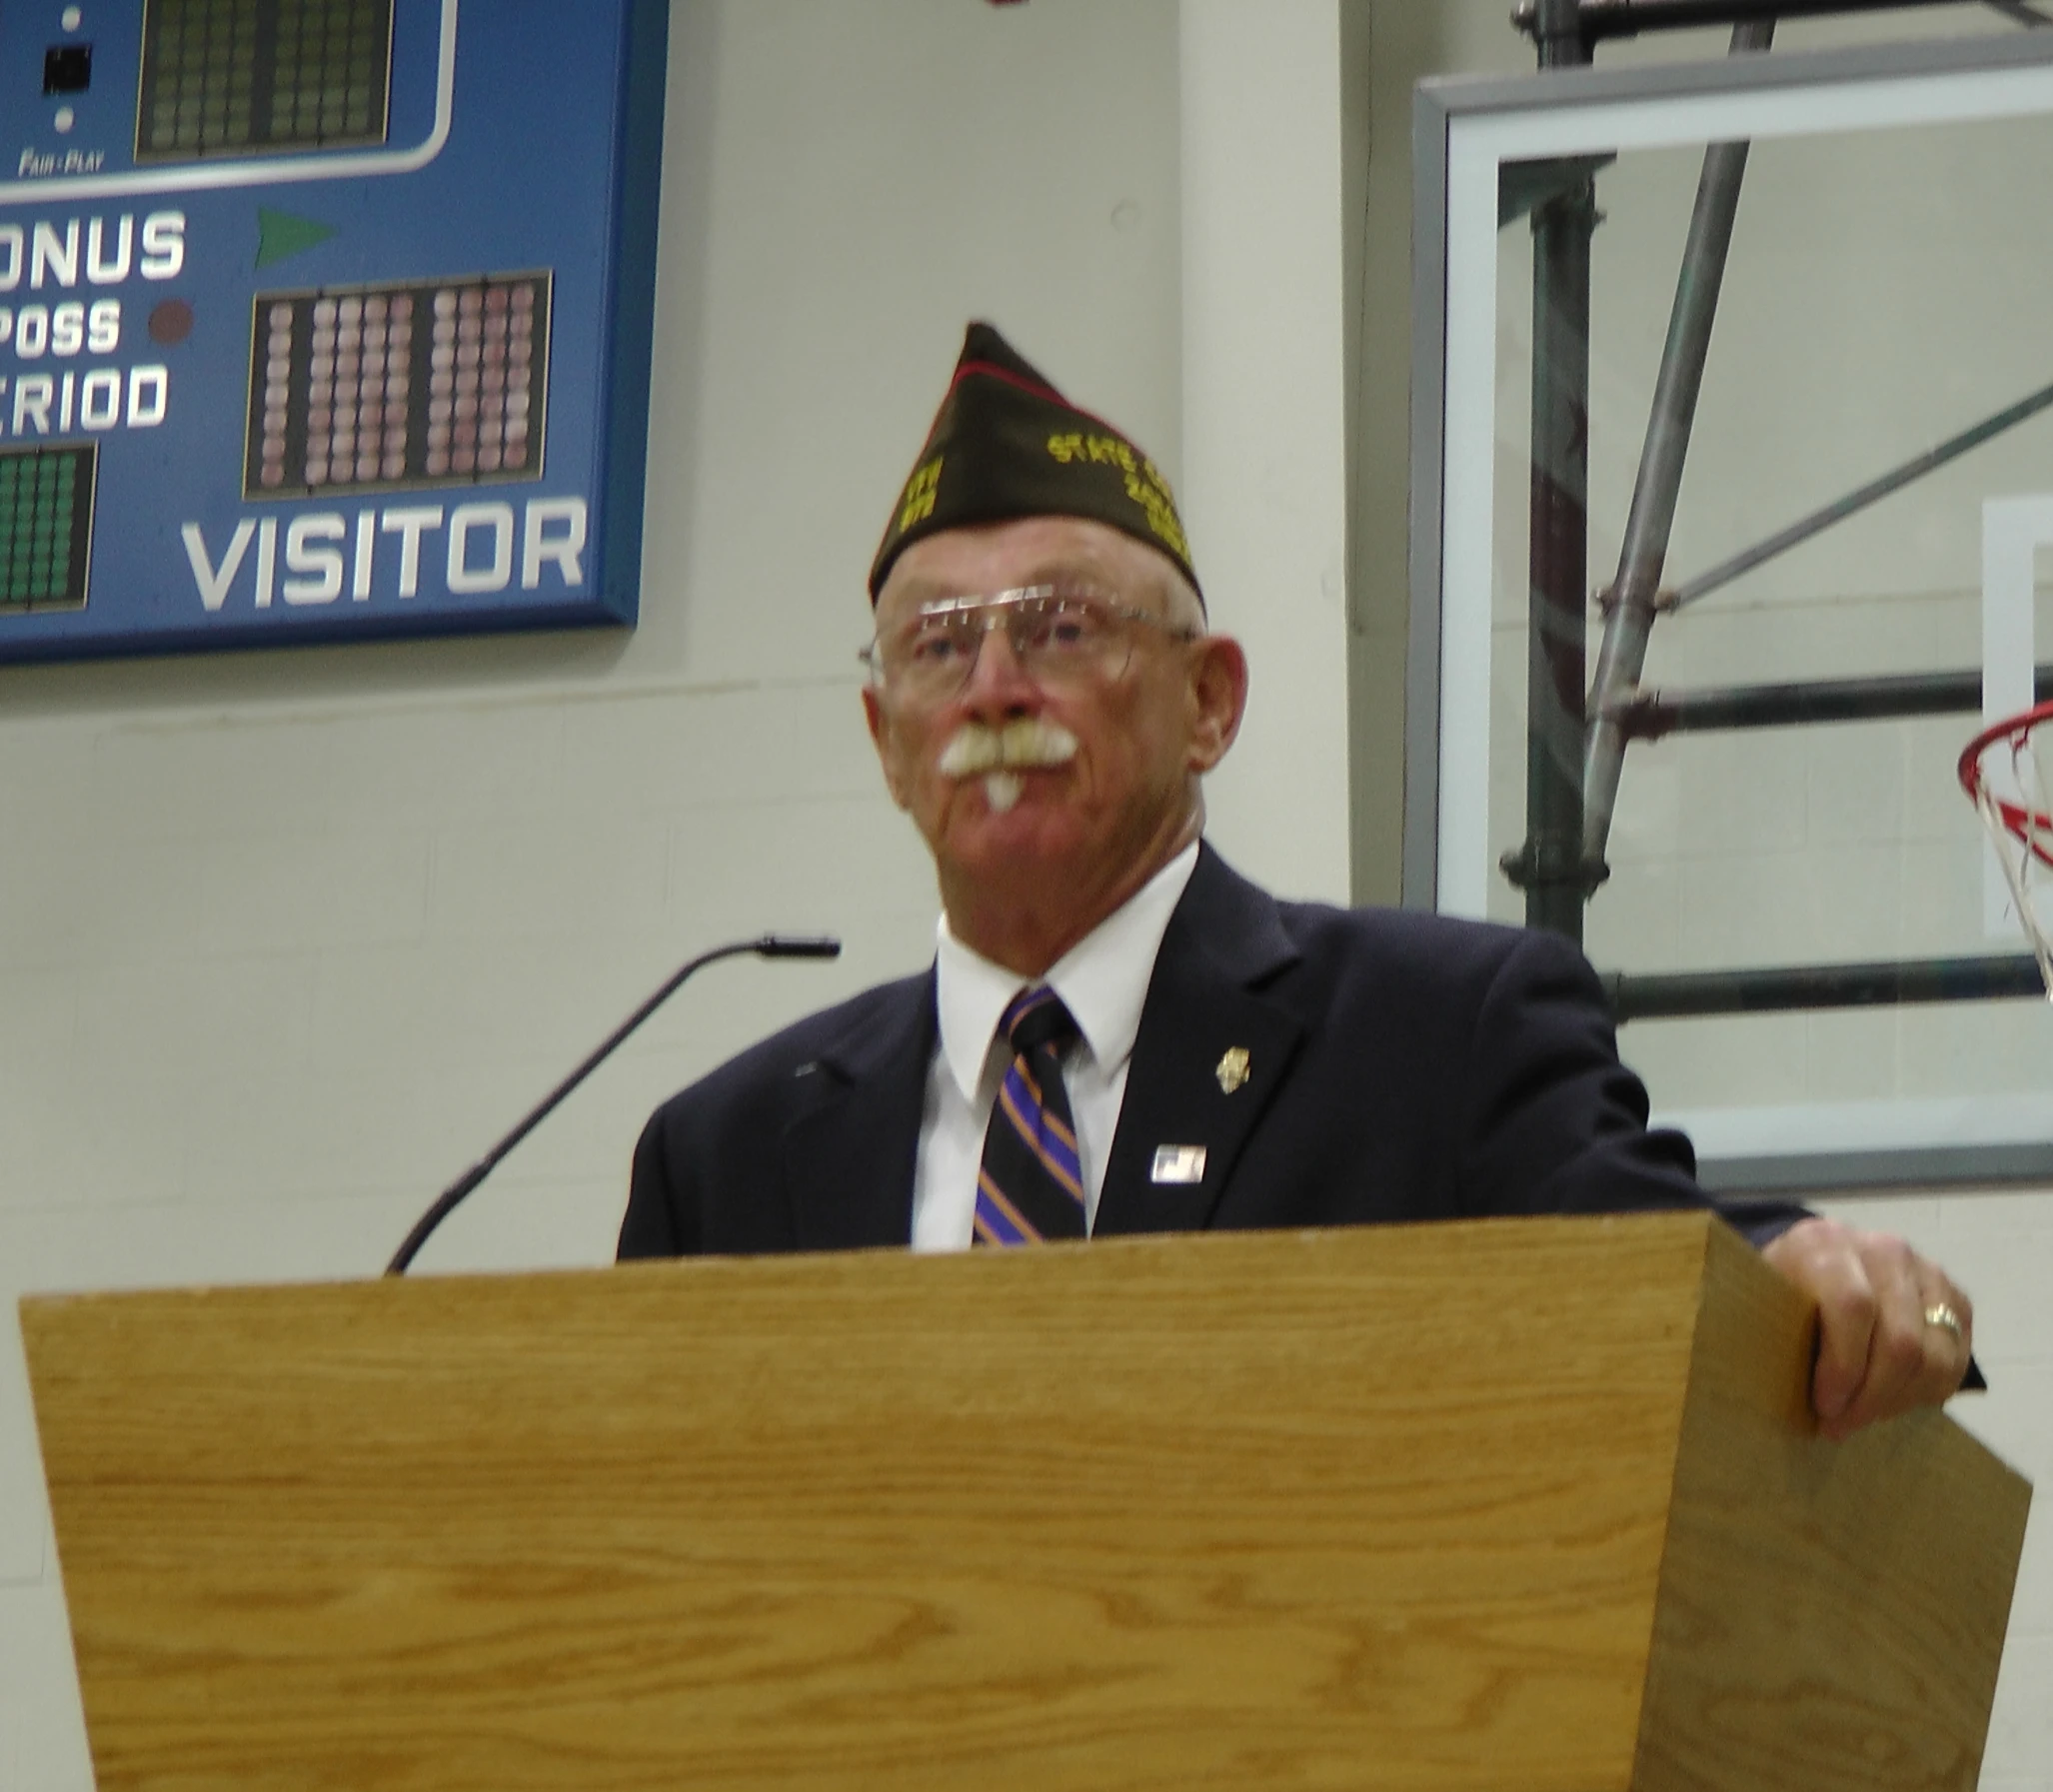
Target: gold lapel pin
(1232, 1070)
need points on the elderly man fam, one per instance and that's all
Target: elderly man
(1120, 1034)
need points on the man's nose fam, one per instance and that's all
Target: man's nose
(999, 681)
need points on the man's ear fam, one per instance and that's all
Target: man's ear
(1218, 699)
(879, 737)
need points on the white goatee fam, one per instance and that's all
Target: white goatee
(1001, 790)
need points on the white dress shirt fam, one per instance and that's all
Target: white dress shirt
(1102, 980)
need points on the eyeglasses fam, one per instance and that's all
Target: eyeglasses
(1062, 635)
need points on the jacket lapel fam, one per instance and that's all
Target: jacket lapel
(1209, 1057)
(848, 1157)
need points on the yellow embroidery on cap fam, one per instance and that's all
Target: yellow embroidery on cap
(1151, 493)
(1144, 482)
(918, 503)
(1101, 451)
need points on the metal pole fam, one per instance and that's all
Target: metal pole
(1548, 866)
(1605, 19)
(1842, 508)
(1672, 995)
(1646, 547)
(1894, 696)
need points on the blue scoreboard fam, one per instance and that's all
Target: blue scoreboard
(322, 319)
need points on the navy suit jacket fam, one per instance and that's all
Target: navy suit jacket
(1401, 1066)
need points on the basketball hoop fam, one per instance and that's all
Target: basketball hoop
(2022, 829)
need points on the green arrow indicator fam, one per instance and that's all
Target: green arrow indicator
(280, 233)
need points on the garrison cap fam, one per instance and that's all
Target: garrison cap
(1006, 444)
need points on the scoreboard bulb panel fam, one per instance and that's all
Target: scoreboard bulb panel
(398, 387)
(255, 77)
(46, 526)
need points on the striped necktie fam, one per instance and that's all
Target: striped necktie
(1030, 1183)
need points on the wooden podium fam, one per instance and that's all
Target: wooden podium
(1517, 1506)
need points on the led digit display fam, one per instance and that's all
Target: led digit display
(240, 77)
(313, 329)
(395, 387)
(46, 527)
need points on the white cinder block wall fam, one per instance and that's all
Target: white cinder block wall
(285, 939)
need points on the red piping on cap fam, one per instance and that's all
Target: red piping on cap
(991, 371)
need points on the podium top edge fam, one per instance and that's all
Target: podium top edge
(1684, 1230)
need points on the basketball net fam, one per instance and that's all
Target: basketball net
(2020, 826)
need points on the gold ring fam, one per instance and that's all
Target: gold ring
(1943, 1316)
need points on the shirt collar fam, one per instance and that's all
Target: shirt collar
(1103, 980)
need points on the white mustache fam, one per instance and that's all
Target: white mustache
(1025, 741)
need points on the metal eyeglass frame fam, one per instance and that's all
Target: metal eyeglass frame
(1009, 609)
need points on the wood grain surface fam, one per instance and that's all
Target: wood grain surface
(1382, 1509)
(1831, 1615)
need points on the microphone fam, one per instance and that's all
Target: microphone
(770, 945)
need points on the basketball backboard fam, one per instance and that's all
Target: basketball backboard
(1879, 302)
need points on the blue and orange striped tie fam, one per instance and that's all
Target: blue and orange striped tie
(1030, 1183)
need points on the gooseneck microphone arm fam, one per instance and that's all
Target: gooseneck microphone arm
(770, 945)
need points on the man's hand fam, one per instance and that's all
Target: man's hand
(1883, 1345)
